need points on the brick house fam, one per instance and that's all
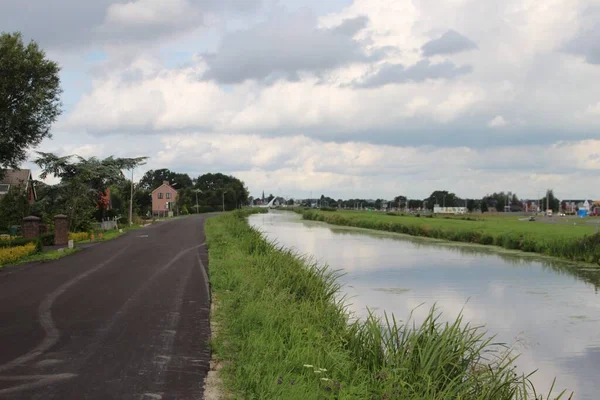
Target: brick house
(164, 199)
(21, 178)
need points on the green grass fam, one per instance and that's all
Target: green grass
(283, 333)
(45, 256)
(573, 242)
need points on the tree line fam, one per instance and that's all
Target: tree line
(499, 201)
(92, 190)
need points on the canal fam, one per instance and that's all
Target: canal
(547, 310)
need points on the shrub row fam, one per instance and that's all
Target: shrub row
(585, 249)
(78, 236)
(11, 254)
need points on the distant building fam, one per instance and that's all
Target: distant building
(449, 210)
(20, 178)
(572, 206)
(164, 199)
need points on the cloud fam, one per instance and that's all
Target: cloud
(69, 25)
(421, 71)
(284, 47)
(449, 43)
(298, 164)
(352, 26)
(146, 20)
(497, 122)
(586, 44)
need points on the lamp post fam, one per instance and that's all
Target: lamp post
(224, 200)
(197, 206)
(131, 201)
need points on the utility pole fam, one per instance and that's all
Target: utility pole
(224, 200)
(197, 207)
(131, 201)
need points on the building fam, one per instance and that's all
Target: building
(164, 199)
(20, 178)
(573, 206)
(595, 208)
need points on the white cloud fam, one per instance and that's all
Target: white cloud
(497, 122)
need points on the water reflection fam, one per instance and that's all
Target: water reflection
(548, 309)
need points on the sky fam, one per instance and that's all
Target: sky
(347, 98)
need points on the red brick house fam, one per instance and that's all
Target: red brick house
(21, 178)
(164, 199)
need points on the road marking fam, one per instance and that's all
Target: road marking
(45, 316)
(39, 380)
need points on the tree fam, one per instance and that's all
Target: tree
(154, 178)
(442, 198)
(82, 184)
(484, 205)
(13, 208)
(470, 205)
(551, 202)
(216, 187)
(400, 201)
(415, 204)
(29, 98)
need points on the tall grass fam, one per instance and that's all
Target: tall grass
(576, 248)
(284, 333)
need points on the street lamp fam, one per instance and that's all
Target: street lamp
(224, 200)
(197, 206)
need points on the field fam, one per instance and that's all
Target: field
(568, 238)
(284, 334)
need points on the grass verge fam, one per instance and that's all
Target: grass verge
(571, 242)
(285, 334)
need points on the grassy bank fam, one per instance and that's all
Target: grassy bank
(284, 335)
(573, 242)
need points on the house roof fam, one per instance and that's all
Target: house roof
(16, 176)
(167, 185)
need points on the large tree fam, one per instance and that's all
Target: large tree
(214, 188)
(154, 178)
(82, 184)
(29, 98)
(550, 201)
(443, 198)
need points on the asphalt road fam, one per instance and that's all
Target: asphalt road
(125, 319)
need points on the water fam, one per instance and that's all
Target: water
(549, 311)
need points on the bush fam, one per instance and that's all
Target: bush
(16, 242)
(328, 209)
(47, 239)
(12, 254)
(79, 236)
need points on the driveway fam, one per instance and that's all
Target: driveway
(126, 319)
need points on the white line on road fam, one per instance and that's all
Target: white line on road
(45, 316)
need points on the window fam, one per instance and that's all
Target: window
(4, 188)
(168, 196)
(160, 195)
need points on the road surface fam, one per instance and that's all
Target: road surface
(125, 319)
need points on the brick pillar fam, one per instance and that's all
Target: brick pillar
(31, 227)
(61, 230)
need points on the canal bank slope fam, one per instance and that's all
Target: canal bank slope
(574, 243)
(283, 333)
